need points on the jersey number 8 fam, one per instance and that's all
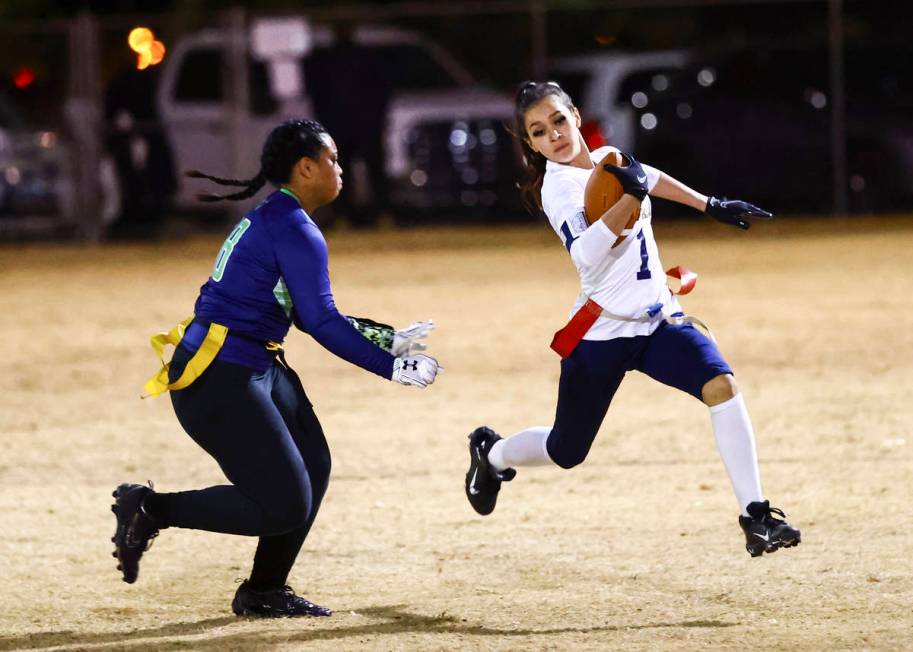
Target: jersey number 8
(225, 252)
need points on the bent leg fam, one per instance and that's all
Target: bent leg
(276, 554)
(229, 412)
(590, 376)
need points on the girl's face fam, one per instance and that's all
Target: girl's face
(329, 173)
(553, 129)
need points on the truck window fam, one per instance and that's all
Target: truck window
(407, 67)
(202, 75)
(200, 78)
(651, 82)
(573, 83)
(414, 69)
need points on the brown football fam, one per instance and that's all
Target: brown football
(602, 191)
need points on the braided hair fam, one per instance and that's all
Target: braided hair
(284, 147)
(529, 94)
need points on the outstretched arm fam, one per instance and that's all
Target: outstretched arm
(302, 256)
(674, 190)
(728, 211)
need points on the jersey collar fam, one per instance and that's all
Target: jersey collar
(291, 194)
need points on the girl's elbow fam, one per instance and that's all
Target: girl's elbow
(580, 258)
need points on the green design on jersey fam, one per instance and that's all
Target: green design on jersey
(379, 334)
(283, 298)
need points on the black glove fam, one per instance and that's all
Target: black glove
(734, 211)
(632, 177)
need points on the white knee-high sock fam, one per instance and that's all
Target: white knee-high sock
(735, 441)
(526, 448)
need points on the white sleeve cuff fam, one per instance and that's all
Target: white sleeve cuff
(605, 231)
(593, 245)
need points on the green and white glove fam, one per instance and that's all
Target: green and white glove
(397, 342)
(405, 341)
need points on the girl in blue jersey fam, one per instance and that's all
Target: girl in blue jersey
(626, 318)
(233, 392)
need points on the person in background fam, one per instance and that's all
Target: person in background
(143, 160)
(350, 87)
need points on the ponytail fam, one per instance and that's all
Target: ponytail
(284, 147)
(530, 185)
(251, 186)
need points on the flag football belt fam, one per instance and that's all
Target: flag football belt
(205, 354)
(566, 340)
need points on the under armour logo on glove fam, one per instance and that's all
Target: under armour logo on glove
(419, 370)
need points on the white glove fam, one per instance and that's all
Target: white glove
(405, 340)
(419, 370)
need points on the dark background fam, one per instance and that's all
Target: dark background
(768, 53)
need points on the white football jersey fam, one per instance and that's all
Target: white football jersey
(628, 279)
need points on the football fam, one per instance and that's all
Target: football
(602, 191)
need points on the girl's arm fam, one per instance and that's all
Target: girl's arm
(619, 213)
(674, 190)
(734, 212)
(302, 256)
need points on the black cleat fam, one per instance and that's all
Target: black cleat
(274, 603)
(483, 481)
(135, 529)
(764, 533)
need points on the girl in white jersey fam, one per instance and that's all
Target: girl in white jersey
(626, 318)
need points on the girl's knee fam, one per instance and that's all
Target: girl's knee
(289, 510)
(719, 390)
(567, 457)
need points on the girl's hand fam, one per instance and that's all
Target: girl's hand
(734, 212)
(632, 177)
(405, 340)
(417, 370)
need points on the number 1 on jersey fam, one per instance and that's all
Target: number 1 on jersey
(644, 272)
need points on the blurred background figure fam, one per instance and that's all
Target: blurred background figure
(135, 139)
(350, 88)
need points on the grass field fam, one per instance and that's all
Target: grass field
(637, 549)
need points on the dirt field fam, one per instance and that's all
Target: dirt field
(638, 549)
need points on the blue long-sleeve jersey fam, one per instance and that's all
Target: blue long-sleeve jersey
(272, 272)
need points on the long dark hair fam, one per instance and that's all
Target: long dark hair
(284, 146)
(529, 94)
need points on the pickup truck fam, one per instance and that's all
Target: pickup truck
(446, 146)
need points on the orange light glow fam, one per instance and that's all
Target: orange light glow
(149, 51)
(144, 59)
(158, 52)
(140, 39)
(23, 77)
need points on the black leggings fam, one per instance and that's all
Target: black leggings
(262, 430)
